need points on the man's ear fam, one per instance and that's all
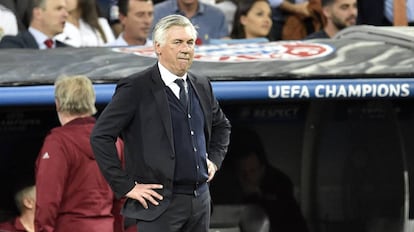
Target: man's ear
(243, 20)
(326, 11)
(36, 12)
(157, 48)
(122, 18)
(29, 203)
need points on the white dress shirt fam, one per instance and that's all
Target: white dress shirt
(120, 42)
(40, 38)
(169, 79)
(85, 36)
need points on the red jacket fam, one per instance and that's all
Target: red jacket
(13, 225)
(71, 193)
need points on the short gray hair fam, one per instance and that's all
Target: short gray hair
(160, 29)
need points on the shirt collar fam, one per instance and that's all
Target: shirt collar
(40, 37)
(200, 10)
(167, 76)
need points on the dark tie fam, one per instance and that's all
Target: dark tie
(49, 43)
(183, 92)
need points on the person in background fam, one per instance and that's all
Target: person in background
(253, 19)
(109, 10)
(228, 7)
(25, 200)
(8, 22)
(339, 14)
(71, 192)
(136, 18)
(175, 135)
(208, 19)
(22, 10)
(380, 12)
(262, 184)
(295, 19)
(84, 28)
(48, 20)
(282, 8)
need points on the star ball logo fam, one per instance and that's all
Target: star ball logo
(248, 52)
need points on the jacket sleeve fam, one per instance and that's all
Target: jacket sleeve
(107, 129)
(51, 176)
(220, 132)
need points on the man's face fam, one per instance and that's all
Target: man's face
(251, 170)
(342, 13)
(137, 23)
(53, 17)
(178, 51)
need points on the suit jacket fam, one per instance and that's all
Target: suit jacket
(139, 113)
(23, 40)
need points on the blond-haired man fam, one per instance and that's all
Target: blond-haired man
(71, 192)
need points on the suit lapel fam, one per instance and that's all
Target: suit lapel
(158, 89)
(29, 40)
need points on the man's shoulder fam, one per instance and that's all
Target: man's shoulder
(212, 10)
(198, 78)
(138, 77)
(21, 40)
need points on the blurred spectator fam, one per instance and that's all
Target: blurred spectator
(22, 10)
(25, 200)
(295, 19)
(253, 19)
(72, 194)
(48, 20)
(339, 14)
(136, 18)
(84, 28)
(8, 22)
(109, 10)
(380, 12)
(228, 7)
(209, 20)
(254, 181)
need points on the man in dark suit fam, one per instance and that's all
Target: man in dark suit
(175, 134)
(48, 20)
(339, 14)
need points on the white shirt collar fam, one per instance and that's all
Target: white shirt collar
(40, 37)
(167, 76)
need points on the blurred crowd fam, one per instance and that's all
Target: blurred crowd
(94, 23)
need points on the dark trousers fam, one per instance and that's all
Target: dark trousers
(186, 213)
